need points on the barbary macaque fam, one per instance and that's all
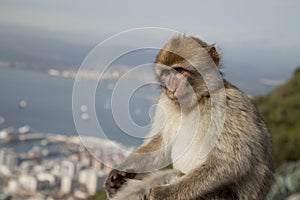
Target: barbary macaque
(205, 128)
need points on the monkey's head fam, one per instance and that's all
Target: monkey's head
(180, 66)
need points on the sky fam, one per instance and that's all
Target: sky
(255, 36)
(264, 21)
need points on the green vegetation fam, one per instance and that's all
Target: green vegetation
(281, 111)
(99, 196)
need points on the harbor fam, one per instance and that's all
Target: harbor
(56, 166)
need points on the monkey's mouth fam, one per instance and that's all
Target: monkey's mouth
(175, 97)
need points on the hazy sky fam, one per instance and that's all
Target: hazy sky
(259, 33)
(268, 21)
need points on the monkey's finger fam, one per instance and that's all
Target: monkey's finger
(116, 182)
(122, 173)
(114, 175)
(107, 186)
(119, 183)
(130, 175)
(111, 191)
(110, 183)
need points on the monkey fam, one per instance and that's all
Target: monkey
(209, 158)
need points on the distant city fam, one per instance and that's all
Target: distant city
(110, 74)
(56, 167)
(86, 74)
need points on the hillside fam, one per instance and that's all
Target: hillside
(281, 111)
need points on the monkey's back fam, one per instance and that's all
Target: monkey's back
(245, 131)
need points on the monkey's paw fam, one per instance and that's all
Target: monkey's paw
(115, 180)
(159, 193)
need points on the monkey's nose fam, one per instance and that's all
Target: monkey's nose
(172, 84)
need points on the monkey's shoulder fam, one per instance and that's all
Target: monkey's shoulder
(240, 108)
(236, 98)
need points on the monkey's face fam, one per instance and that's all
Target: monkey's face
(177, 83)
(181, 66)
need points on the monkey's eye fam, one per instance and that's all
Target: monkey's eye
(179, 69)
(165, 72)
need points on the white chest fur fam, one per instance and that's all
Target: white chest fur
(181, 131)
(186, 146)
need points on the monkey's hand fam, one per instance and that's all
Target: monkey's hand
(159, 193)
(115, 180)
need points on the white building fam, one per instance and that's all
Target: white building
(66, 185)
(12, 186)
(92, 179)
(28, 182)
(8, 161)
(68, 168)
(82, 177)
(43, 177)
(26, 167)
(95, 181)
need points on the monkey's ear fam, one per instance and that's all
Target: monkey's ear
(211, 50)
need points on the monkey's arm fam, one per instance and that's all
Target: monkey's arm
(220, 169)
(150, 156)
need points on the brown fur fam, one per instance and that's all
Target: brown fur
(239, 166)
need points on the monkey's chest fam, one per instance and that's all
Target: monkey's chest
(186, 154)
(186, 147)
(184, 134)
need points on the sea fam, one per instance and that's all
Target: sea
(49, 108)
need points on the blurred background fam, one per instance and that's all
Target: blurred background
(43, 43)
